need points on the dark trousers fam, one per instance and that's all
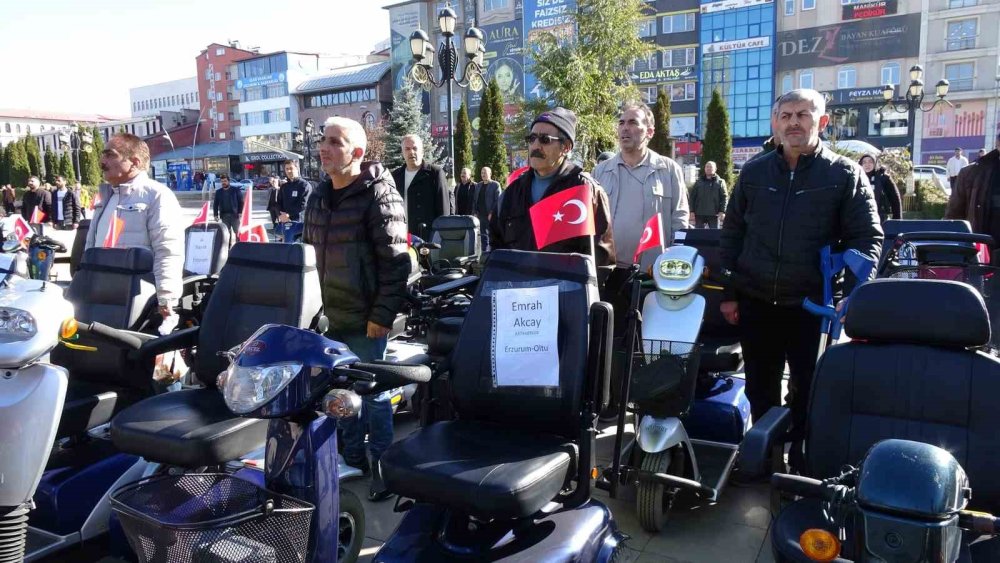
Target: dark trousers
(770, 336)
(232, 221)
(711, 220)
(375, 418)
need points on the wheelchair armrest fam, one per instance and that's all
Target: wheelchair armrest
(177, 340)
(761, 438)
(464, 261)
(452, 286)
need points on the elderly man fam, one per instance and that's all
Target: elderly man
(149, 213)
(803, 197)
(424, 188)
(357, 224)
(640, 183)
(708, 198)
(549, 144)
(464, 193)
(485, 198)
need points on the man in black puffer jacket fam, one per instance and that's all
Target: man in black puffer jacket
(786, 206)
(357, 223)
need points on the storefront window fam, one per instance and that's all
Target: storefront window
(844, 123)
(888, 124)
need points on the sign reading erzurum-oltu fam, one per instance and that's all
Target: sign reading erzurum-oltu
(525, 326)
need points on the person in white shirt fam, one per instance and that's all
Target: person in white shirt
(955, 165)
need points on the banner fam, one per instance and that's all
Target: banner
(875, 9)
(198, 254)
(723, 5)
(947, 128)
(737, 45)
(503, 60)
(403, 20)
(662, 75)
(545, 16)
(855, 41)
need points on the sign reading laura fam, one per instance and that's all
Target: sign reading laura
(661, 75)
(855, 41)
(525, 326)
(874, 9)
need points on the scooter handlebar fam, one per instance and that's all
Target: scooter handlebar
(980, 522)
(800, 486)
(391, 375)
(113, 335)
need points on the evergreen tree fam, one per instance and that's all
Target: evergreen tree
(90, 166)
(51, 166)
(19, 168)
(717, 145)
(66, 167)
(34, 156)
(662, 142)
(491, 150)
(407, 118)
(5, 164)
(463, 142)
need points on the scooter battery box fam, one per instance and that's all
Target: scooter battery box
(722, 416)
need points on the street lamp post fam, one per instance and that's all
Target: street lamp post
(308, 127)
(75, 140)
(423, 59)
(913, 100)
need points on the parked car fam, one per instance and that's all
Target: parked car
(243, 185)
(937, 175)
(262, 183)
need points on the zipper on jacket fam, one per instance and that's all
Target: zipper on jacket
(781, 234)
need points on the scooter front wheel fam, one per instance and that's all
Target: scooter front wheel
(351, 527)
(654, 500)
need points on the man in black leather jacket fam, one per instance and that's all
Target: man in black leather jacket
(786, 206)
(357, 224)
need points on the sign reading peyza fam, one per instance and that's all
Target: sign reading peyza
(525, 326)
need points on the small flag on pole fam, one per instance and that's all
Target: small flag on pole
(652, 237)
(114, 230)
(202, 215)
(562, 215)
(37, 216)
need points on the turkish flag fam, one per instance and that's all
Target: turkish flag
(114, 231)
(516, 174)
(247, 212)
(37, 216)
(256, 233)
(21, 228)
(202, 215)
(563, 215)
(652, 237)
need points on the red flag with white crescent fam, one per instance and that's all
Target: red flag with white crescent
(652, 237)
(247, 212)
(22, 229)
(565, 214)
(516, 174)
(256, 233)
(114, 230)
(202, 215)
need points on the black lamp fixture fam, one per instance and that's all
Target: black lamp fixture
(914, 97)
(423, 64)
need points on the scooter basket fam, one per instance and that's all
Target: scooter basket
(664, 376)
(211, 518)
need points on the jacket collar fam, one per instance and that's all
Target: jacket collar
(805, 160)
(126, 188)
(371, 172)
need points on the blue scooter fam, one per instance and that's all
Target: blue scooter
(303, 383)
(290, 232)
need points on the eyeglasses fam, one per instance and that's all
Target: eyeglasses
(543, 139)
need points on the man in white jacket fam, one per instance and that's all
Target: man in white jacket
(149, 212)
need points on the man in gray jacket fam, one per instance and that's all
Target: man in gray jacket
(150, 216)
(484, 202)
(708, 198)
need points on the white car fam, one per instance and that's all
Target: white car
(937, 175)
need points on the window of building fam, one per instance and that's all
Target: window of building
(806, 79)
(647, 28)
(890, 73)
(649, 94)
(681, 91)
(28, 127)
(844, 123)
(786, 83)
(683, 56)
(808, 5)
(961, 34)
(960, 76)
(220, 52)
(218, 76)
(263, 66)
(18, 128)
(222, 135)
(276, 90)
(847, 77)
(6, 127)
(218, 96)
(789, 7)
(490, 5)
(962, 3)
(678, 23)
(647, 63)
(888, 124)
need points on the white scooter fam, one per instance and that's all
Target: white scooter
(32, 392)
(659, 385)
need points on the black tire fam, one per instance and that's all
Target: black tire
(654, 500)
(351, 527)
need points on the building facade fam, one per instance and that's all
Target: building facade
(219, 102)
(961, 46)
(174, 95)
(16, 124)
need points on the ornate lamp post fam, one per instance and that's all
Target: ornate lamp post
(423, 58)
(914, 98)
(309, 126)
(76, 139)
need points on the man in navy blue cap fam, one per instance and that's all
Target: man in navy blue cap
(549, 144)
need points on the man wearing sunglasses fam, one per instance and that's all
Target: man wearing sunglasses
(549, 144)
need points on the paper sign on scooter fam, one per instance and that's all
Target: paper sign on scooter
(198, 258)
(525, 325)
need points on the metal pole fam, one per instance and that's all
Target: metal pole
(451, 116)
(76, 155)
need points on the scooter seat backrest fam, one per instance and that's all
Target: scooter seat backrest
(206, 249)
(260, 284)
(482, 391)
(895, 227)
(79, 244)
(911, 372)
(458, 236)
(114, 286)
(707, 243)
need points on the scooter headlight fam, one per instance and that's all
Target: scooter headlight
(16, 324)
(246, 389)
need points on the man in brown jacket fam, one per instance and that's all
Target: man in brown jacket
(975, 195)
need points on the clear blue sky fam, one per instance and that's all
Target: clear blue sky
(84, 55)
